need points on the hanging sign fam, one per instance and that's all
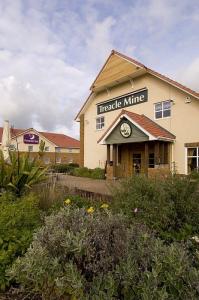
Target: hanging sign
(30, 138)
(126, 100)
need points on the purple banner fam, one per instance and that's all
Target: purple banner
(30, 138)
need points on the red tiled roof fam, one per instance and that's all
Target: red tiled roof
(144, 122)
(60, 140)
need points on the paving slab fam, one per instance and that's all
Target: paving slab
(101, 186)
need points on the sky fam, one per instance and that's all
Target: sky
(52, 50)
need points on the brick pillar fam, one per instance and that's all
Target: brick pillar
(82, 140)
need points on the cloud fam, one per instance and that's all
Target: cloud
(51, 51)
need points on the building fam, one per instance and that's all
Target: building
(58, 148)
(136, 120)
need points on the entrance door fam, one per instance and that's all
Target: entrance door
(137, 163)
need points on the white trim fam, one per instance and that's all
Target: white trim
(154, 104)
(99, 116)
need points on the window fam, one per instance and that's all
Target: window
(151, 160)
(99, 123)
(30, 148)
(46, 160)
(57, 149)
(163, 109)
(47, 149)
(58, 160)
(192, 159)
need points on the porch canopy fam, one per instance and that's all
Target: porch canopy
(132, 133)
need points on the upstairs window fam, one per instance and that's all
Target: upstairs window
(99, 123)
(47, 149)
(163, 109)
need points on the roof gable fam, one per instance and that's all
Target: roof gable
(143, 123)
(57, 139)
(113, 72)
(116, 69)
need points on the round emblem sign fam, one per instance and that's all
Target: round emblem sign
(125, 130)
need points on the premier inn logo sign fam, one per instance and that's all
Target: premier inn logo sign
(123, 101)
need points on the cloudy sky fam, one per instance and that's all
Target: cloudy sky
(51, 51)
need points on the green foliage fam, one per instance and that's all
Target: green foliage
(41, 148)
(170, 206)
(18, 219)
(21, 174)
(99, 256)
(50, 195)
(64, 168)
(96, 173)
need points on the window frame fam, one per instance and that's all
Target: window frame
(162, 109)
(30, 147)
(97, 118)
(58, 149)
(192, 156)
(47, 149)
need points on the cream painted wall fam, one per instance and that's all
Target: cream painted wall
(183, 123)
(24, 147)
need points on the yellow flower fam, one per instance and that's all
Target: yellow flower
(67, 201)
(104, 205)
(90, 210)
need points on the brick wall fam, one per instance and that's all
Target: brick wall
(65, 157)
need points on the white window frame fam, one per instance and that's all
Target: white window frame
(100, 123)
(162, 109)
(47, 149)
(30, 148)
(191, 156)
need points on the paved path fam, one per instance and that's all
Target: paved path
(88, 184)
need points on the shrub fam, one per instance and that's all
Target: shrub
(18, 219)
(20, 174)
(50, 195)
(78, 255)
(64, 168)
(170, 206)
(96, 173)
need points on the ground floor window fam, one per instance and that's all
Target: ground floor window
(193, 159)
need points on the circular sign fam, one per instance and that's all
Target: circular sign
(125, 130)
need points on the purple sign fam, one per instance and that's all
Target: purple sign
(30, 138)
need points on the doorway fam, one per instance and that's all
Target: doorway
(137, 162)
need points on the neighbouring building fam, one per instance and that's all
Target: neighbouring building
(58, 148)
(136, 120)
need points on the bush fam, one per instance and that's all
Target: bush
(98, 256)
(64, 168)
(170, 206)
(20, 174)
(18, 220)
(96, 173)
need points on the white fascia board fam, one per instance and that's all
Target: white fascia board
(151, 137)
